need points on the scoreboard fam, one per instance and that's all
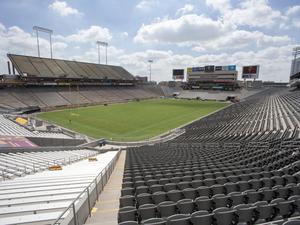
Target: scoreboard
(178, 74)
(250, 72)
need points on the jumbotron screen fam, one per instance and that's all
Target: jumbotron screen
(178, 74)
(250, 72)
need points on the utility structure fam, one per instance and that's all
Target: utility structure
(150, 61)
(38, 29)
(104, 44)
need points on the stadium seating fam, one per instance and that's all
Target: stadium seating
(19, 164)
(240, 165)
(49, 97)
(42, 198)
(11, 128)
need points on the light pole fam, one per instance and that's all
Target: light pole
(105, 44)
(46, 30)
(150, 61)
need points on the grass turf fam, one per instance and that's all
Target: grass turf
(134, 120)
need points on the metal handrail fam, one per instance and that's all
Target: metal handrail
(107, 169)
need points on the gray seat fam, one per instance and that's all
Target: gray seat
(230, 187)
(127, 191)
(179, 219)
(141, 189)
(185, 206)
(284, 208)
(236, 198)
(155, 188)
(166, 208)
(224, 216)
(203, 191)
(217, 189)
(170, 186)
(246, 213)
(203, 203)
(144, 198)
(159, 197)
(129, 223)
(267, 193)
(174, 195)
(253, 195)
(154, 221)
(189, 193)
(220, 200)
(127, 213)
(183, 185)
(202, 217)
(147, 211)
(127, 200)
(292, 222)
(196, 183)
(265, 211)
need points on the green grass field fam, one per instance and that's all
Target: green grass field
(134, 120)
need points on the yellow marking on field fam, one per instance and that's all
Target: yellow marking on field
(74, 114)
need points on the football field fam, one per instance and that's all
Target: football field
(134, 120)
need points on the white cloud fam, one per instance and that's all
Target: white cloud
(186, 9)
(124, 35)
(146, 5)
(184, 29)
(220, 5)
(293, 10)
(204, 34)
(296, 23)
(241, 39)
(253, 13)
(63, 9)
(275, 62)
(92, 34)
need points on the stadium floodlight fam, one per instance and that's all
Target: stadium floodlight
(105, 44)
(45, 30)
(150, 61)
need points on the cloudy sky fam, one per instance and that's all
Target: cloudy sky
(174, 33)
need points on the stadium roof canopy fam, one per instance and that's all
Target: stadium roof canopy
(46, 68)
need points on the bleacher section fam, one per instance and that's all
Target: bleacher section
(216, 95)
(55, 96)
(240, 165)
(22, 163)
(49, 196)
(272, 114)
(11, 128)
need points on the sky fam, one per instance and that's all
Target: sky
(173, 33)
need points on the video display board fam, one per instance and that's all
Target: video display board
(211, 69)
(250, 72)
(178, 74)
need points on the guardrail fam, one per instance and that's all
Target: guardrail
(162, 138)
(81, 207)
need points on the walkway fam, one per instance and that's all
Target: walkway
(105, 211)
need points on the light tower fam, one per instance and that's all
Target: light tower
(99, 44)
(45, 30)
(150, 61)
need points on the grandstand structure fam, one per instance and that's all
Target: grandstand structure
(49, 83)
(212, 77)
(239, 165)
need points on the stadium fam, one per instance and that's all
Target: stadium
(94, 143)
